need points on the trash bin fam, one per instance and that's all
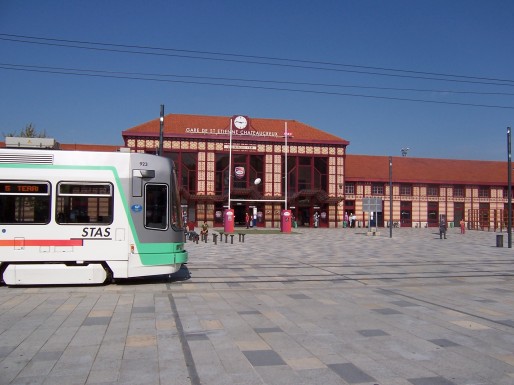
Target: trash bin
(499, 240)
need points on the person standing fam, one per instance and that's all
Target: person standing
(345, 219)
(205, 231)
(247, 220)
(316, 219)
(442, 229)
(462, 226)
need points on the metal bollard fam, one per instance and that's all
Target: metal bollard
(499, 240)
(226, 237)
(215, 238)
(242, 237)
(231, 239)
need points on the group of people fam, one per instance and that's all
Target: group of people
(350, 220)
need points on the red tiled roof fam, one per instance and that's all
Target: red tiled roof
(424, 170)
(175, 126)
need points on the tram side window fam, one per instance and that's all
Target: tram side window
(81, 202)
(156, 206)
(24, 202)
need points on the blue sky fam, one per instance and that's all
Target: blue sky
(370, 72)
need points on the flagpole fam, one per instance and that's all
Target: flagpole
(285, 168)
(230, 164)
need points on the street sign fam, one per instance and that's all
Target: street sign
(372, 205)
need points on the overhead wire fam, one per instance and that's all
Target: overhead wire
(45, 41)
(282, 62)
(332, 85)
(259, 87)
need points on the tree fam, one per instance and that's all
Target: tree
(28, 132)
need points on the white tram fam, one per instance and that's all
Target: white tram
(76, 217)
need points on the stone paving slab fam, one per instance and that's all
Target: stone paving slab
(317, 306)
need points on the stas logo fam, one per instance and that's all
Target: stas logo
(96, 232)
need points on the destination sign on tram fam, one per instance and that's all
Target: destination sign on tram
(23, 188)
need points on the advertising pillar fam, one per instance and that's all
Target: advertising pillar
(228, 221)
(285, 221)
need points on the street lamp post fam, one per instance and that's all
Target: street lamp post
(161, 130)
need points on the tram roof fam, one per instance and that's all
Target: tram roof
(425, 170)
(83, 147)
(210, 127)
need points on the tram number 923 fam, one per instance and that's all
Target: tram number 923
(143, 164)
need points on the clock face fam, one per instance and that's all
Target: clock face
(240, 122)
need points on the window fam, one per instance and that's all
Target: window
(484, 192)
(432, 190)
(156, 206)
(349, 188)
(377, 189)
(458, 191)
(405, 189)
(433, 213)
(24, 202)
(83, 202)
(185, 166)
(320, 173)
(245, 170)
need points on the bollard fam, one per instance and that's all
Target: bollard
(499, 240)
(215, 238)
(226, 237)
(231, 239)
(242, 237)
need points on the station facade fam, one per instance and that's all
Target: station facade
(308, 171)
(218, 159)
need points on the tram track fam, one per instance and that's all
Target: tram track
(200, 276)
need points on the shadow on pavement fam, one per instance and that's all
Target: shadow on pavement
(182, 275)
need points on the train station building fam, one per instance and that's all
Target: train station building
(261, 166)
(295, 166)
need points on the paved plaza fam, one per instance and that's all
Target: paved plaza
(315, 307)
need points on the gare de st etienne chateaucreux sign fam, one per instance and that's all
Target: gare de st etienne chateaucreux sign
(240, 128)
(226, 131)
